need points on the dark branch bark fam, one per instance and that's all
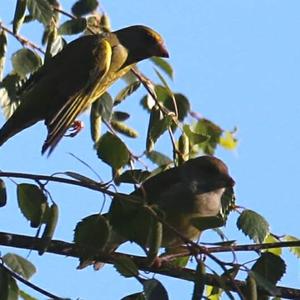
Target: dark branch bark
(70, 249)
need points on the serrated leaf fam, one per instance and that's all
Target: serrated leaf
(26, 296)
(3, 194)
(25, 61)
(159, 158)
(212, 131)
(19, 15)
(120, 116)
(228, 202)
(92, 231)
(126, 267)
(228, 141)
(163, 65)
(134, 176)
(40, 10)
(194, 138)
(121, 127)
(117, 158)
(3, 46)
(271, 239)
(126, 92)
(19, 264)
(269, 266)
(253, 225)
(203, 223)
(8, 94)
(84, 7)
(154, 290)
(32, 202)
(294, 250)
(73, 26)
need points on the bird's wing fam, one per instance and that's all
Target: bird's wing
(155, 186)
(76, 99)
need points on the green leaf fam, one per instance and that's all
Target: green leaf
(164, 82)
(40, 10)
(8, 94)
(95, 121)
(157, 126)
(126, 266)
(134, 176)
(253, 225)
(26, 296)
(3, 194)
(32, 203)
(183, 106)
(120, 116)
(3, 46)
(294, 250)
(127, 91)
(228, 141)
(269, 266)
(73, 26)
(25, 61)
(194, 138)
(19, 15)
(203, 223)
(51, 223)
(207, 128)
(163, 65)
(121, 127)
(4, 284)
(93, 231)
(118, 157)
(154, 290)
(13, 289)
(159, 158)
(271, 239)
(84, 7)
(105, 106)
(19, 265)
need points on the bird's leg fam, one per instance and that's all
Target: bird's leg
(75, 128)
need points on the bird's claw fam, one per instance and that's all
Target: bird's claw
(75, 128)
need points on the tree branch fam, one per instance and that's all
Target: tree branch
(69, 249)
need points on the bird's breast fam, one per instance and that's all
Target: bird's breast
(208, 204)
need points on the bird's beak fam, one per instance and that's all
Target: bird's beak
(162, 51)
(231, 182)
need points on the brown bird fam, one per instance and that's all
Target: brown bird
(71, 81)
(193, 189)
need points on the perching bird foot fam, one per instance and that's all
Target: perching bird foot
(76, 127)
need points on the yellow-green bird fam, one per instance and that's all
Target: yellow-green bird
(68, 83)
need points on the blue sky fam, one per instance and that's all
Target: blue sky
(238, 62)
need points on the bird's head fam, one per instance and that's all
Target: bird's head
(206, 173)
(142, 42)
